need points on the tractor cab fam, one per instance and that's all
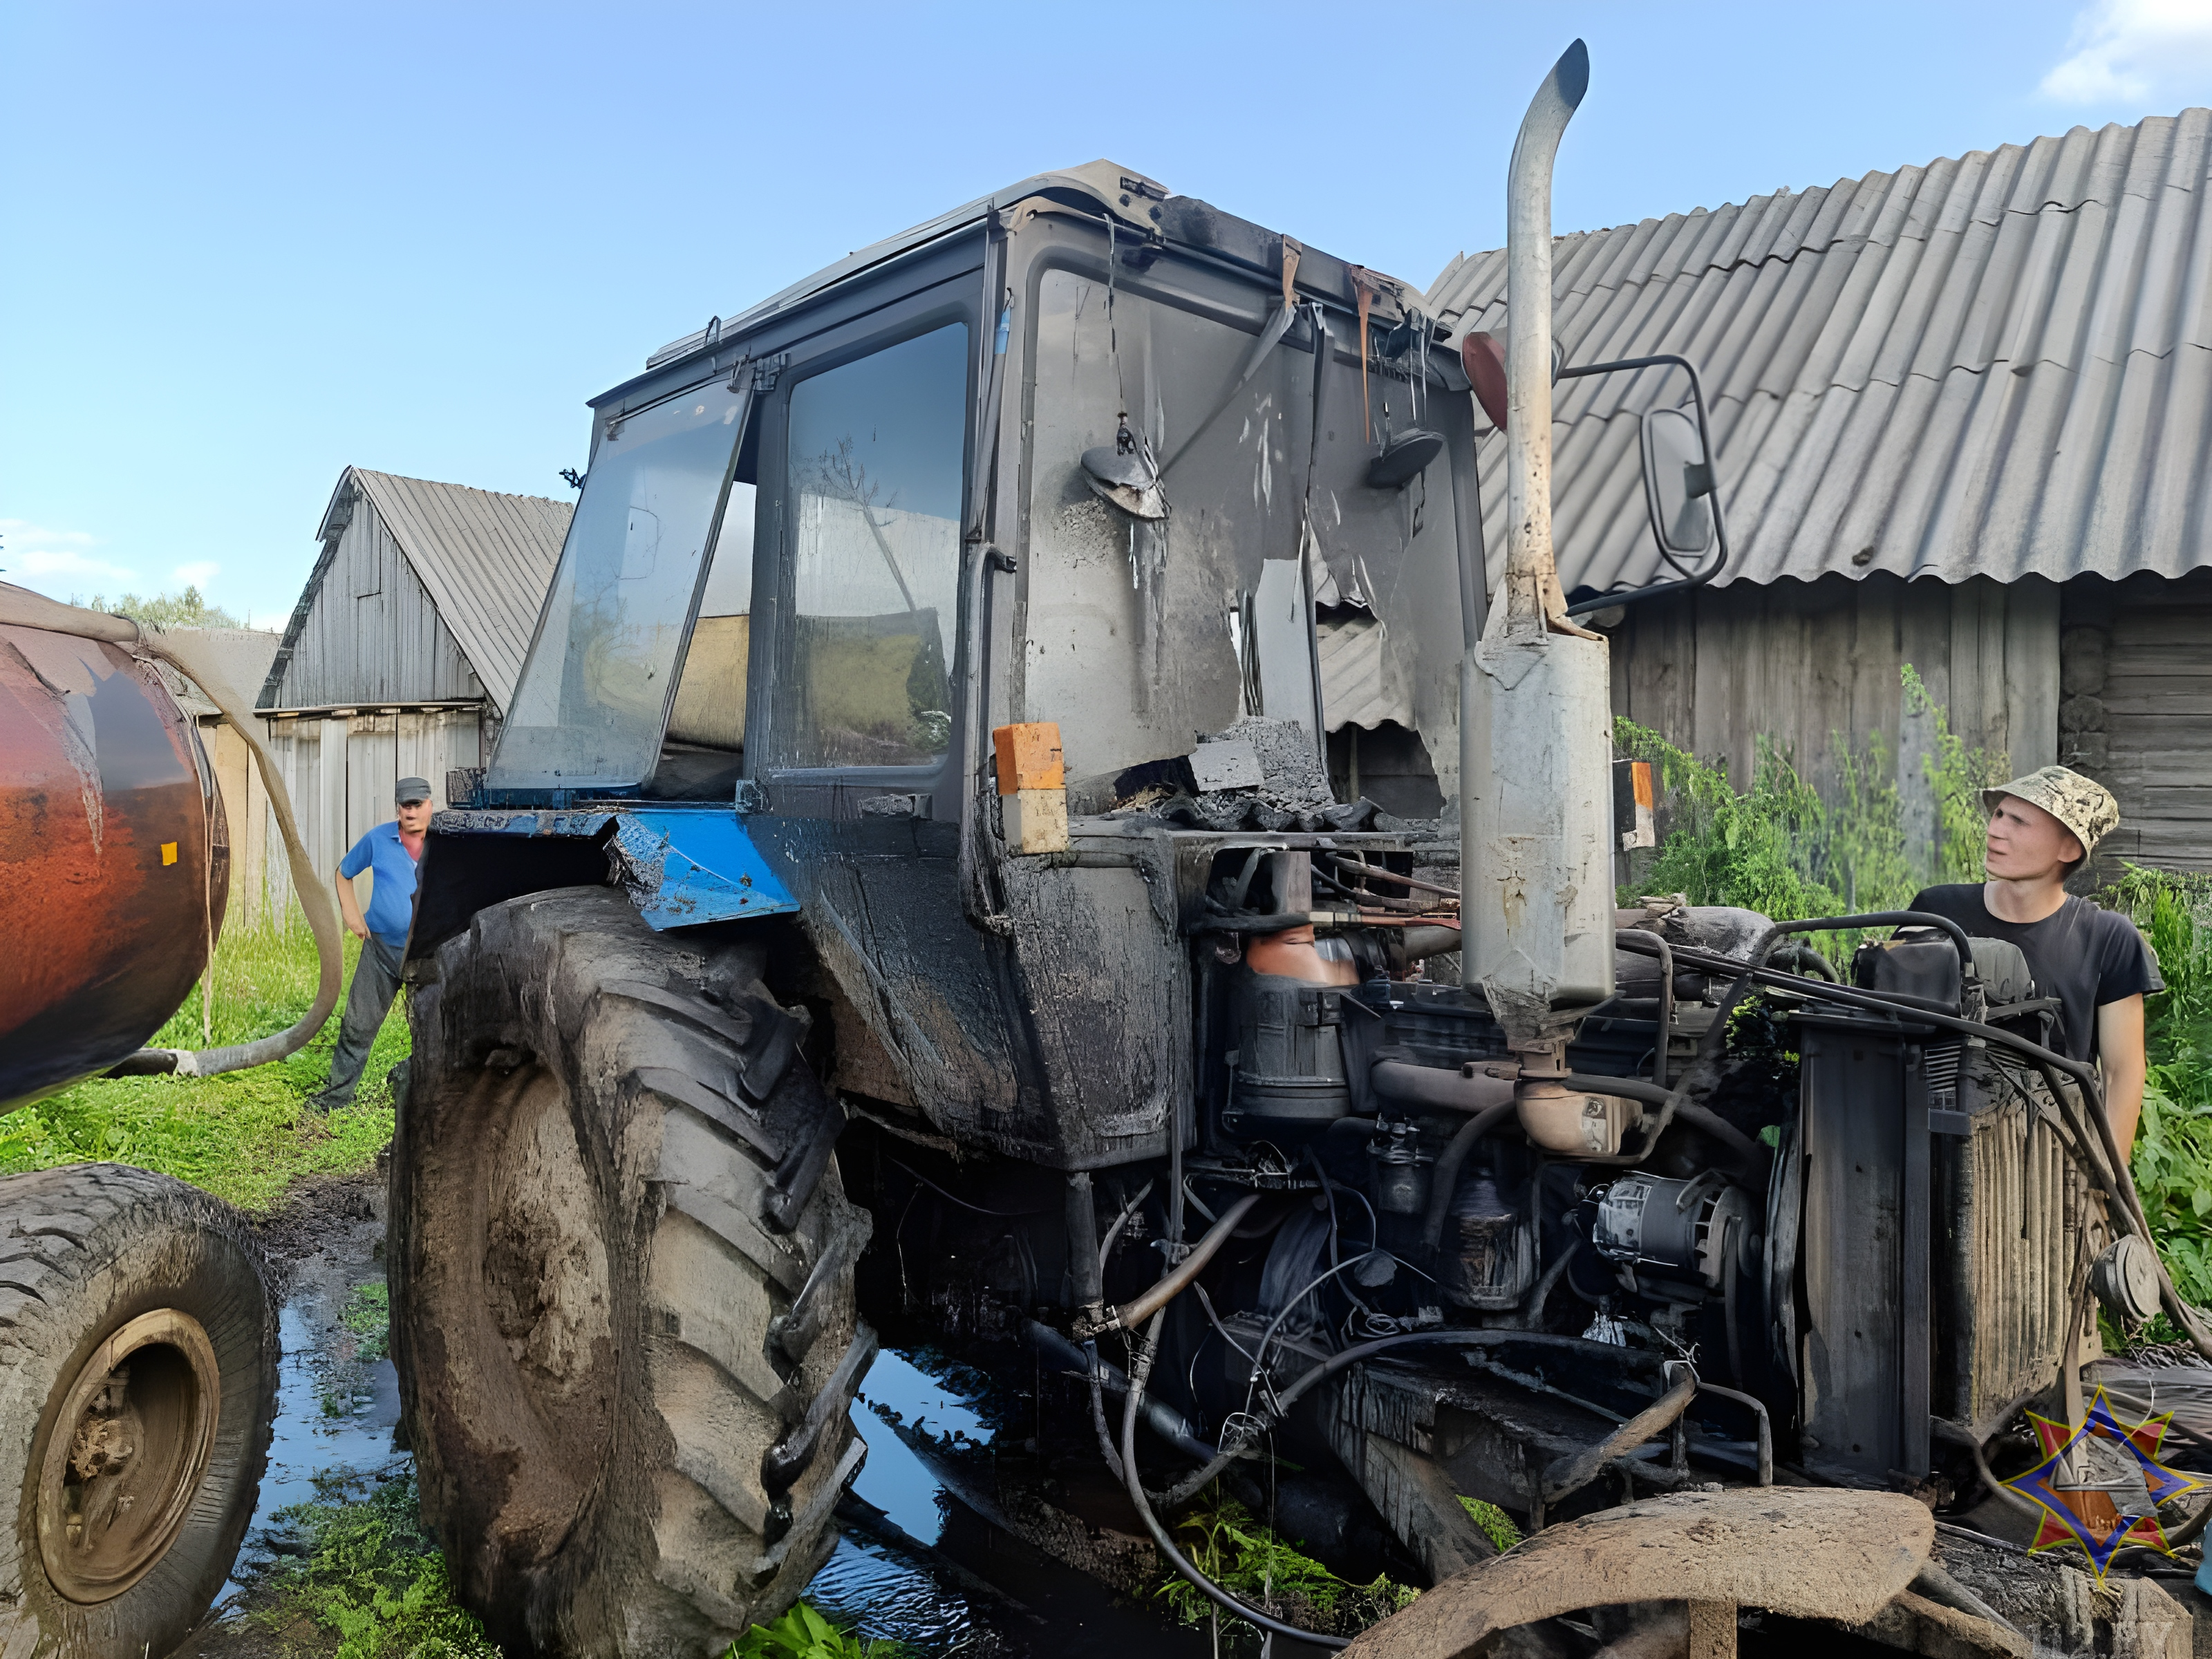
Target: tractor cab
(1172, 493)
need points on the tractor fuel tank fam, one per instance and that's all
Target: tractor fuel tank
(114, 859)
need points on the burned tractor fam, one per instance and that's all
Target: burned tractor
(916, 824)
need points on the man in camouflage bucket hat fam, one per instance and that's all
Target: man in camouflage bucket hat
(2042, 828)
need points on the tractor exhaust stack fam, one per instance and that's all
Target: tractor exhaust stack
(1535, 757)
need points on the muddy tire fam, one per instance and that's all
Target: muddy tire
(137, 1384)
(621, 1282)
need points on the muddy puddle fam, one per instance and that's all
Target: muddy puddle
(916, 1565)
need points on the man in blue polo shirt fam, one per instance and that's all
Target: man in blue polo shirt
(391, 851)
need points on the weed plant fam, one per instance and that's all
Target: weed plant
(367, 1314)
(1784, 850)
(370, 1576)
(1227, 1543)
(244, 1136)
(2173, 1159)
(803, 1633)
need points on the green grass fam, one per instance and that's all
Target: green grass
(367, 1314)
(1497, 1525)
(244, 1136)
(371, 1578)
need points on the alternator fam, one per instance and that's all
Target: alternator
(1684, 1228)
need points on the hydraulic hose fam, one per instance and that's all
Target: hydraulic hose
(1716, 1035)
(1130, 1314)
(19, 608)
(1284, 1399)
(1651, 1094)
(1140, 1368)
(1570, 1474)
(1164, 1419)
(1665, 952)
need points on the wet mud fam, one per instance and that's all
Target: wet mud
(916, 1565)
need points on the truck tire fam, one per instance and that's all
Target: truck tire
(622, 1281)
(137, 1384)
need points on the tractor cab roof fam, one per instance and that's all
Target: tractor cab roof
(1134, 204)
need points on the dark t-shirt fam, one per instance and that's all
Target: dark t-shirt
(2082, 954)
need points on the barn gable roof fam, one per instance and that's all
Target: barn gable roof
(1999, 364)
(485, 558)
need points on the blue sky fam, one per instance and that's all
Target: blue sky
(245, 246)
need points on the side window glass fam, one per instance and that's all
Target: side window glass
(710, 698)
(875, 467)
(589, 709)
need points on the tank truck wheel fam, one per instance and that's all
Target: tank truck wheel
(137, 1384)
(622, 1281)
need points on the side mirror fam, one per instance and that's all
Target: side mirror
(1678, 483)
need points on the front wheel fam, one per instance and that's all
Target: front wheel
(138, 1384)
(622, 1260)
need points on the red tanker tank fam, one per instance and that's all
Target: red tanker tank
(114, 859)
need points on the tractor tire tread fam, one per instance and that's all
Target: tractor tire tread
(674, 1545)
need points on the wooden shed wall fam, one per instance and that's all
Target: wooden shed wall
(371, 634)
(341, 774)
(2112, 678)
(2137, 710)
(1714, 669)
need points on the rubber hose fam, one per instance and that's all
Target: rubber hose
(1129, 1315)
(1444, 1182)
(1140, 1368)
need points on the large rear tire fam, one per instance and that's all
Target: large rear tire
(137, 1383)
(622, 1275)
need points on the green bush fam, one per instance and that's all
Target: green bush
(2173, 1158)
(1784, 850)
(244, 1136)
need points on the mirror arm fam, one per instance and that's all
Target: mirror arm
(1606, 601)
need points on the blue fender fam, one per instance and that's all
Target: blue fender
(684, 868)
(682, 865)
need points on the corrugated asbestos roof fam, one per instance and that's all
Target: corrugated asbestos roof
(1998, 365)
(485, 558)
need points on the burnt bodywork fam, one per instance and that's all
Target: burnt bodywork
(114, 859)
(1042, 1008)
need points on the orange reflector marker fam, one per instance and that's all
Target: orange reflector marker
(1032, 786)
(1029, 757)
(168, 852)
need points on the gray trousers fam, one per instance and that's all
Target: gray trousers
(376, 982)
